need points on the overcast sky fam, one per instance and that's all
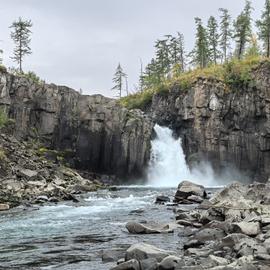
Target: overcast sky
(79, 43)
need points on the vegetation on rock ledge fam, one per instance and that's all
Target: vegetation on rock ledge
(235, 75)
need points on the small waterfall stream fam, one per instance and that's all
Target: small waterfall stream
(167, 167)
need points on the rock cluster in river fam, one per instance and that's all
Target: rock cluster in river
(27, 176)
(229, 231)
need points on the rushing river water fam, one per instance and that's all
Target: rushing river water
(73, 236)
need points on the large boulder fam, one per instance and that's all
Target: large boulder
(188, 191)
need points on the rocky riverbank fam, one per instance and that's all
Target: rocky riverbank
(31, 174)
(225, 231)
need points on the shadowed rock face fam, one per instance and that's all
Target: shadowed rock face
(222, 126)
(99, 134)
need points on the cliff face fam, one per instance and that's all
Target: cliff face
(225, 127)
(99, 134)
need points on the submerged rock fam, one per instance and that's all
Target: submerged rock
(162, 199)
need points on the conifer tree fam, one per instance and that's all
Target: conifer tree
(162, 59)
(243, 32)
(200, 54)
(213, 39)
(225, 33)
(151, 76)
(119, 79)
(177, 52)
(264, 28)
(21, 36)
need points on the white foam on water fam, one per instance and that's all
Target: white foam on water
(168, 166)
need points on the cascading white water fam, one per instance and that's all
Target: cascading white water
(168, 166)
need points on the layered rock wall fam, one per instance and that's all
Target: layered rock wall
(100, 135)
(223, 126)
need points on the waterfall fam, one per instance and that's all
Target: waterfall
(167, 167)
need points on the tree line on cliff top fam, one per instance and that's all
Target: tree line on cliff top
(218, 42)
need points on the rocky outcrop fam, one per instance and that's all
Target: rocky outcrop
(27, 176)
(98, 133)
(226, 127)
(233, 233)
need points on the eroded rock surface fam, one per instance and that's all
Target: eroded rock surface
(98, 133)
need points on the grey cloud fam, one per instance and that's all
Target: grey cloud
(80, 42)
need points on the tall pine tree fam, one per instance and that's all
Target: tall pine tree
(213, 40)
(264, 28)
(225, 34)
(119, 79)
(200, 54)
(243, 31)
(162, 58)
(21, 36)
(177, 53)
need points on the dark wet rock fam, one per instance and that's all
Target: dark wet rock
(194, 243)
(136, 211)
(162, 199)
(142, 251)
(138, 228)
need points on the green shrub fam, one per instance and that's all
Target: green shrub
(32, 76)
(238, 74)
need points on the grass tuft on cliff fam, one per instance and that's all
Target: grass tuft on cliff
(235, 74)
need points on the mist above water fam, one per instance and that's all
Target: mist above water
(168, 165)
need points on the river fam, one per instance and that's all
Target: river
(74, 236)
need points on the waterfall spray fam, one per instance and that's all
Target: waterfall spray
(168, 166)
